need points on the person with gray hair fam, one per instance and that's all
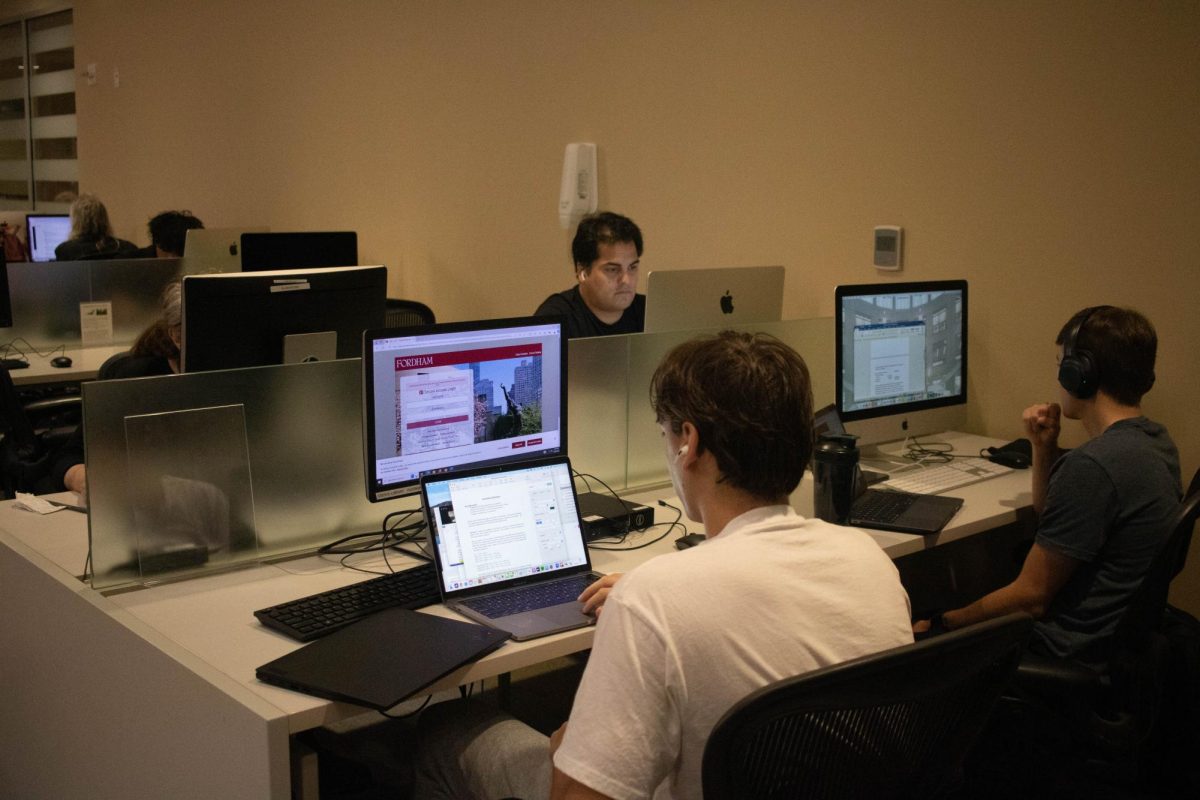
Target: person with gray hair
(92, 234)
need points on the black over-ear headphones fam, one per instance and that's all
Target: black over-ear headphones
(1078, 372)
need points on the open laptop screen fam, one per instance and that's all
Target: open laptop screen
(504, 524)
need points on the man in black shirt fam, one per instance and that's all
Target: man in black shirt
(607, 250)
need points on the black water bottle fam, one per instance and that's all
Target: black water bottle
(835, 476)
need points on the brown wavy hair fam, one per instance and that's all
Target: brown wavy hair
(749, 396)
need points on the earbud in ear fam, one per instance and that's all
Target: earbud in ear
(683, 451)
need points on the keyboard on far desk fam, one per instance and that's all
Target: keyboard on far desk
(312, 617)
(943, 477)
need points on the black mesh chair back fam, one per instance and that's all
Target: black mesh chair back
(22, 458)
(14, 423)
(1149, 600)
(405, 313)
(895, 724)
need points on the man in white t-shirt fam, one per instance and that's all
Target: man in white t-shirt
(682, 638)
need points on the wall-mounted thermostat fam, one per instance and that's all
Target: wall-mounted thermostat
(889, 247)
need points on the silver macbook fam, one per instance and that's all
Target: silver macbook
(215, 249)
(685, 299)
(509, 546)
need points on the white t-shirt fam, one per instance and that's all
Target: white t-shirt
(686, 635)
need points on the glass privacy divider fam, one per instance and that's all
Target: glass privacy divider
(613, 433)
(293, 480)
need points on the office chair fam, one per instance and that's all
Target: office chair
(1107, 717)
(24, 451)
(111, 364)
(405, 313)
(894, 724)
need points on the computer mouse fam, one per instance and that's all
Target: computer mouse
(689, 540)
(62, 362)
(1009, 458)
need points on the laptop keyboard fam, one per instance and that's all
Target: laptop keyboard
(880, 507)
(529, 598)
(314, 616)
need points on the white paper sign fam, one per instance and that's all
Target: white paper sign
(95, 323)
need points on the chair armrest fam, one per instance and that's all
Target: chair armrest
(1049, 675)
(53, 404)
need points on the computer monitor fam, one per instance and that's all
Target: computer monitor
(440, 398)
(296, 250)
(901, 358)
(45, 232)
(238, 319)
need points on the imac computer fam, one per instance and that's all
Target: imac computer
(288, 250)
(901, 359)
(45, 232)
(446, 397)
(238, 319)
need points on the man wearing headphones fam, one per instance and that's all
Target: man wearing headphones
(1103, 508)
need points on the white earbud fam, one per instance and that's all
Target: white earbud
(683, 451)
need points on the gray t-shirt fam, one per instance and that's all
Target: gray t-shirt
(1109, 505)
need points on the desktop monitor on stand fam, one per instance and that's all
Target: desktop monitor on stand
(441, 398)
(253, 319)
(901, 359)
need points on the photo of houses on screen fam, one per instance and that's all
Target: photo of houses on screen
(453, 399)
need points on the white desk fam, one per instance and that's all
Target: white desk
(152, 692)
(85, 363)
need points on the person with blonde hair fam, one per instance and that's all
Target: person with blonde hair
(92, 234)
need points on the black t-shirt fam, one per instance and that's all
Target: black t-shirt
(1109, 505)
(581, 322)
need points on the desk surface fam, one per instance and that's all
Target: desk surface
(211, 617)
(85, 363)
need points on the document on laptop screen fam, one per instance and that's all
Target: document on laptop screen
(511, 524)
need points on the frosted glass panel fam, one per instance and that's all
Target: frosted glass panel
(598, 406)
(188, 479)
(610, 376)
(46, 297)
(304, 438)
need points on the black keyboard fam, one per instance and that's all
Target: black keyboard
(881, 507)
(316, 615)
(530, 598)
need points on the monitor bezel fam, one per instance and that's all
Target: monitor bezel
(404, 488)
(907, 287)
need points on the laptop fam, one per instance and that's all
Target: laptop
(903, 512)
(687, 299)
(509, 546)
(376, 662)
(215, 249)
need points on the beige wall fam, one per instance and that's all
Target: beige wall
(1046, 151)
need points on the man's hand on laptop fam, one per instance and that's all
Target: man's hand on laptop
(593, 596)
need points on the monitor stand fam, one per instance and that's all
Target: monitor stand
(300, 348)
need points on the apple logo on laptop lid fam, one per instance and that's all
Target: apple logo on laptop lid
(727, 303)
